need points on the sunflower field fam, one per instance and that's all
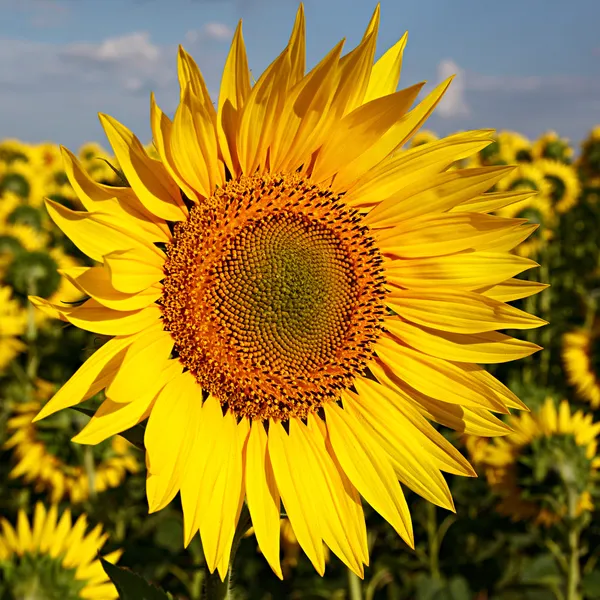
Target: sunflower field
(233, 366)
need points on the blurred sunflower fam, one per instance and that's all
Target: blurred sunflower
(581, 356)
(525, 177)
(44, 156)
(588, 162)
(536, 208)
(52, 558)
(24, 181)
(513, 147)
(564, 183)
(551, 146)
(423, 137)
(44, 457)
(13, 321)
(291, 298)
(12, 151)
(529, 466)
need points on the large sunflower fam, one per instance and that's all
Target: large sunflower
(44, 457)
(525, 467)
(54, 558)
(581, 356)
(291, 299)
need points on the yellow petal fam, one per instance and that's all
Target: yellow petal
(385, 75)
(314, 466)
(492, 201)
(458, 311)
(263, 496)
(299, 503)
(260, 114)
(235, 89)
(95, 234)
(354, 138)
(402, 169)
(297, 45)
(95, 282)
(439, 234)
(162, 131)
(512, 289)
(437, 378)
(368, 468)
(148, 177)
(194, 145)
(434, 194)
(305, 119)
(190, 77)
(135, 270)
(486, 348)
(106, 359)
(172, 428)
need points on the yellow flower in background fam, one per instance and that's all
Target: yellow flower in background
(44, 156)
(536, 208)
(564, 183)
(588, 162)
(23, 180)
(423, 137)
(57, 558)
(581, 357)
(44, 458)
(551, 146)
(525, 177)
(13, 322)
(12, 151)
(291, 300)
(525, 467)
(513, 147)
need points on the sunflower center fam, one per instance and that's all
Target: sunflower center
(274, 295)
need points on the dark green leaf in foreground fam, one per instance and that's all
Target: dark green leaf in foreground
(130, 585)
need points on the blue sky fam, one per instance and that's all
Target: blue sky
(527, 65)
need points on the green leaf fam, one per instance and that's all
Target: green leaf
(590, 585)
(134, 435)
(541, 570)
(130, 585)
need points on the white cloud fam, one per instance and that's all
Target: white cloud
(218, 31)
(52, 91)
(454, 103)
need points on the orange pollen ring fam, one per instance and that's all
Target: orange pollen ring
(274, 295)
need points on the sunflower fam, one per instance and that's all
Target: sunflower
(44, 457)
(13, 321)
(54, 557)
(525, 177)
(291, 299)
(513, 147)
(423, 137)
(535, 208)
(581, 356)
(526, 467)
(564, 183)
(22, 179)
(551, 146)
(12, 151)
(588, 162)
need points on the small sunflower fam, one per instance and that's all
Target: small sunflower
(291, 299)
(526, 467)
(536, 208)
(565, 186)
(44, 457)
(581, 356)
(423, 137)
(513, 148)
(44, 156)
(525, 177)
(54, 558)
(551, 146)
(588, 162)
(12, 151)
(13, 321)
(23, 180)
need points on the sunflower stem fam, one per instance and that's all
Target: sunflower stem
(574, 530)
(216, 588)
(354, 586)
(90, 469)
(433, 540)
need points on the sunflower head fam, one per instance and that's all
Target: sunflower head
(581, 357)
(13, 151)
(291, 300)
(564, 183)
(588, 162)
(552, 147)
(52, 558)
(44, 457)
(532, 467)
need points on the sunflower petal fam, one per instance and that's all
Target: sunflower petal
(134, 270)
(385, 75)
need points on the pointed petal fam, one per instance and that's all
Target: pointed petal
(385, 75)
(134, 270)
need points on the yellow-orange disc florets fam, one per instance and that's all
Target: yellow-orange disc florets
(274, 295)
